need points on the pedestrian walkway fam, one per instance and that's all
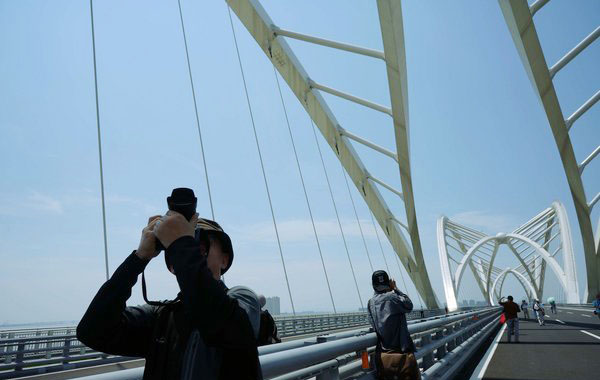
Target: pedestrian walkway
(567, 347)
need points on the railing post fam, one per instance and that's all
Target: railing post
(467, 333)
(20, 354)
(459, 339)
(9, 349)
(441, 351)
(37, 343)
(66, 350)
(49, 345)
(428, 358)
(329, 374)
(452, 343)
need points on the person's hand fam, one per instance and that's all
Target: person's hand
(392, 284)
(172, 226)
(147, 248)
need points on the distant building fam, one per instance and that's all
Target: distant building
(471, 302)
(273, 305)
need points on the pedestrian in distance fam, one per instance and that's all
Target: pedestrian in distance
(207, 332)
(552, 303)
(268, 329)
(596, 305)
(394, 353)
(511, 311)
(525, 309)
(539, 312)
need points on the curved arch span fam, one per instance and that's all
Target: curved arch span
(522, 279)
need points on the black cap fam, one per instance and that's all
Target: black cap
(381, 281)
(212, 228)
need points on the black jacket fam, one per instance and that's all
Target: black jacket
(210, 333)
(387, 316)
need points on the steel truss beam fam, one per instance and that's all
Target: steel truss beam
(519, 19)
(530, 272)
(257, 22)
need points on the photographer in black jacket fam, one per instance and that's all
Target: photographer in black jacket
(207, 332)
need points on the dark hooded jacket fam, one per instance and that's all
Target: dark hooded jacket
(387, 315)
(208, 332)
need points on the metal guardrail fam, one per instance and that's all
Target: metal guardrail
(334, 358)
(291, 326)
(576, 304)
(444, 344)
(32, 351)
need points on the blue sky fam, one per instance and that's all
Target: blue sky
(481, 148)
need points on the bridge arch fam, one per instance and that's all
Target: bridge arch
(522, 279)
(536, 236)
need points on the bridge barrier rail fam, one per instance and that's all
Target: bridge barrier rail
(31, 351)
(576, 304)
(298, 325)
(337, 357)
(445, 343)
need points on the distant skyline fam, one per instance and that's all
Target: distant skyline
(482, 152)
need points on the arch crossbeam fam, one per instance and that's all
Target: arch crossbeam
(271, 40)
(548, 229)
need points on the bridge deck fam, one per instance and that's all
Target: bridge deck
(562, 349)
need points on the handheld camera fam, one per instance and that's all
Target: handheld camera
(183, 201)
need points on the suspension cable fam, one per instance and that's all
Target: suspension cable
(356, 214)
(187, 56)
(400, 269)
(304, 188)
(418, 296)
(379, 240)
(363, 236)
(260, 158)
(337, 215)
(99, 141)
(404, 283)
(397, 260)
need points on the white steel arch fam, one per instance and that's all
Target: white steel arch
(519, 19)
(271, 40)
(495, 294)
(535, 244)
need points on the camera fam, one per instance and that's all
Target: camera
(183, 201)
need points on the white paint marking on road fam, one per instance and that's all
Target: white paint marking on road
(569, 312)
(590, 334)
(482, 367)
(558, 320)
(584, 315)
